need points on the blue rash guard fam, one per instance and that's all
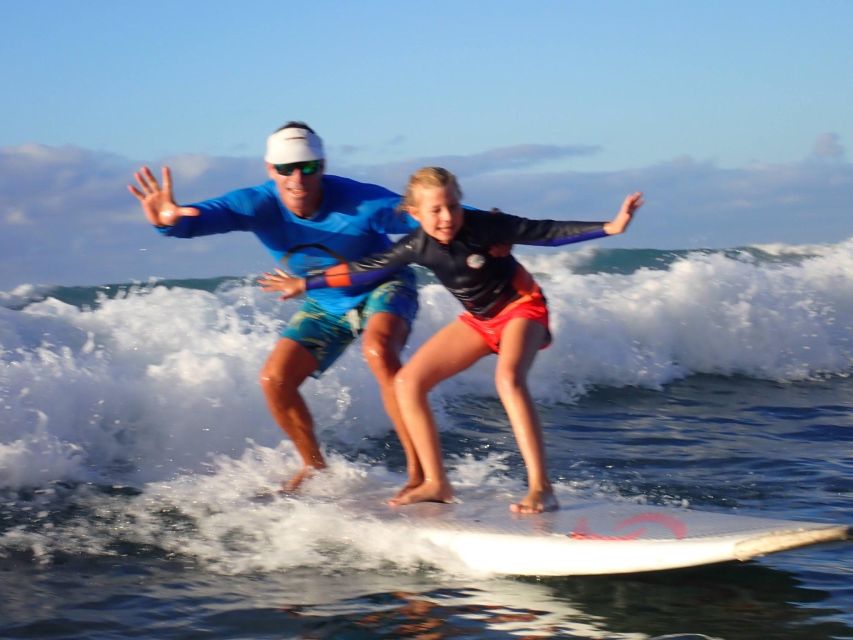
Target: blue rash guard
(353, 221)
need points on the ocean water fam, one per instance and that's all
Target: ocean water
(134, 439)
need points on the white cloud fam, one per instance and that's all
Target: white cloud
(83, 227)
(516, 157)
(828, 147)
(16, 217)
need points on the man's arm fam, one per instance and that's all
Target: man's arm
(387, 218)
(233, 211)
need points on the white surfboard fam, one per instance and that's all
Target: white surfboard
(592, 537)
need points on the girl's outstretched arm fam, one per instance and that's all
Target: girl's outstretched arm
(629, 206)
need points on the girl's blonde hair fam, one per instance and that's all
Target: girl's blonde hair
(429, 177)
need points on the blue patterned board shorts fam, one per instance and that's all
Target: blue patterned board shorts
(327, 335)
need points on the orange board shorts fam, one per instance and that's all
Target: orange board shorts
(533, 307)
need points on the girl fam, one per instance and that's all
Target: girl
(505, 313)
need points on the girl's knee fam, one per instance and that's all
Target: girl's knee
(508, 380)
(408, 382)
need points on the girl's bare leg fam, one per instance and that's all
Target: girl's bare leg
(450, 351)
(520, 342)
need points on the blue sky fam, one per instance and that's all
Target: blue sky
(733, 117)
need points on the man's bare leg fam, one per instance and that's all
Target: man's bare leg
(285, 370)
(520, 342)
(453, 349)
(382, 342)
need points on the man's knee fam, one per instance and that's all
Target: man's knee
(381, 348)
(272, 379)
(286, 368)
(378, 347)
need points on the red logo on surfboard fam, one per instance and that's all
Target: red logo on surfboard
(678, 529)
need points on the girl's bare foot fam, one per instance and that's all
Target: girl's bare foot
(536, 502)
(416, 479)
(425, 492)
(411, 484)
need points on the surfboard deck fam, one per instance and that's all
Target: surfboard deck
(591, 537)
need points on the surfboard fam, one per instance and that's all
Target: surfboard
(592, 537)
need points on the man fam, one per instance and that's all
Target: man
(307, 219)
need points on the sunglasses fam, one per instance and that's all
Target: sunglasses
(307, 168)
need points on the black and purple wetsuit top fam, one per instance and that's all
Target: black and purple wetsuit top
(482, 279)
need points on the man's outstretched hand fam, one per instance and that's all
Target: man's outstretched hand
(288, 286)
(158, 202)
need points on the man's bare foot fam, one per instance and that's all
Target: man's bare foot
(536, 502)
(425, 492)
(289, 486)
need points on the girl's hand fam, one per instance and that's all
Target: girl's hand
(626, 214)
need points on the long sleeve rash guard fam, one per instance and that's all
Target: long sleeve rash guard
(353, 221)
(482, 282)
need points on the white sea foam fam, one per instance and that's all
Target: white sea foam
(145, 386)
(706, 313)
(223, 519)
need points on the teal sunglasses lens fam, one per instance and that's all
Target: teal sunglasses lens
(308, 168)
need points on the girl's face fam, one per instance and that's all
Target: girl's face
(438, 211)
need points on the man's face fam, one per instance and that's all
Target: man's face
(299, 185)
